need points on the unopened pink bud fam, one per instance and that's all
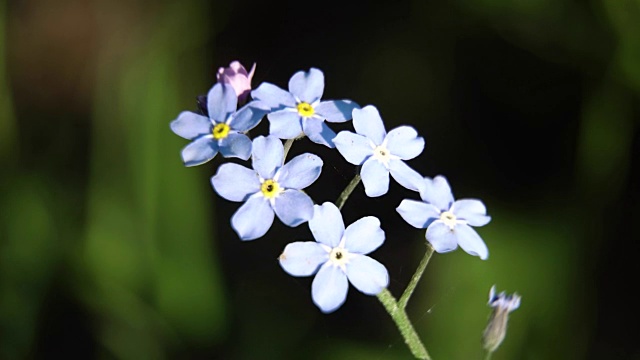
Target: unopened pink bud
(236, 76)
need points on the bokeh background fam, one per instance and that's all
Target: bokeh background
(111, 249)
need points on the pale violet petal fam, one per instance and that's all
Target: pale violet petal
(404, 142)
(326, 225)
(336, 111)
(222, 101)
(234, 182)
(247, 118)
(367, 122)
(353, 147)
(293, 207)
(441, 237)
(470, 241)
(471, 210)
(329, 288)
(307, 86)
(303, 258)
(366, 274)
(273, 96)
(437, 192)
(318, 132)
(235, 145)
(364, 235)
(253, 219)
(190, 125)
(199, 151)
(417, 213)
(405, 175)
(267, 155)
(285, 124)
(300, 172)
(375, 178)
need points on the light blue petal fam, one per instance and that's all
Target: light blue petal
(417, 213)
(375, 178)
(267, 155)
(364, 235)
(326, 225)
(293, 207)
(307, 86)
(273, 96)
(300, 172)
(191, 125)
(247, 117)
(405, 175)
(437, 192)
(199, 151)
(235, 145)
(318, 132)
(234, 182)
(353, 147)
(303, 258)
(285, 124)
(441, 237)
(329, 288)
(470, 241)
(253, 219)
(367, 122)
(404, 142)
(336, 111)
(471, 210)
(222, 101)
(367, 274)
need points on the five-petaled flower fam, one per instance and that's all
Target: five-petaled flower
(221, 131)
(447, 222)
(300, 110)
(380, 153)
(267, 188)
(338, 257)
(236, 76)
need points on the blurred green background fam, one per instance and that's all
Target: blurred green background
(111, 248)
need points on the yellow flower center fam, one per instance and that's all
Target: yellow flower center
(448, 219)
(270, 189)
(305, 109)
(220, 131)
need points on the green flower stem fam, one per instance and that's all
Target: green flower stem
(404, 299)
(287, 147)
(347, 191)
(399, 316)
(488, 356)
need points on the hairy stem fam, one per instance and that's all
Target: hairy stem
(347, 191)
(404, 299)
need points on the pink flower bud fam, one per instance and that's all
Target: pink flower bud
(236, 76)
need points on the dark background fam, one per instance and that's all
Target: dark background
(110, 248)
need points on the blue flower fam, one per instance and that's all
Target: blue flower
(300, 110)
(267, 188)
(338, 255)
(447, 222)
(380, 153)
(221, 131)
(496, 329)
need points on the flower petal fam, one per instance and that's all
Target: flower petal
(222, 101)
(303, 258)
(470, 241)
(199, 151)
(253, 219)
(364, 235)
(318, 131)
(375, 178)
(293, 207)
(234, 182)
(366, 274)
(235, 145)
(190, 125)
(326, 225)
(441, 237)
(307, 86)
(353, 147)
(285, 124)
(300, 172)
(247, 117)
(336, 111)
(273, 96)
(417, 213)
(405, 175)
(367, 122)
(404, 142)
(329, 288)
(471, 210)
(437, 192)
(267, 155)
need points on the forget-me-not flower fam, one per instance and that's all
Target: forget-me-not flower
(380, 153)
(448, 223)
(221, 131)
(300, 110)
(338, 256)
(496, 330)
(267, 188)
(236, 76)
